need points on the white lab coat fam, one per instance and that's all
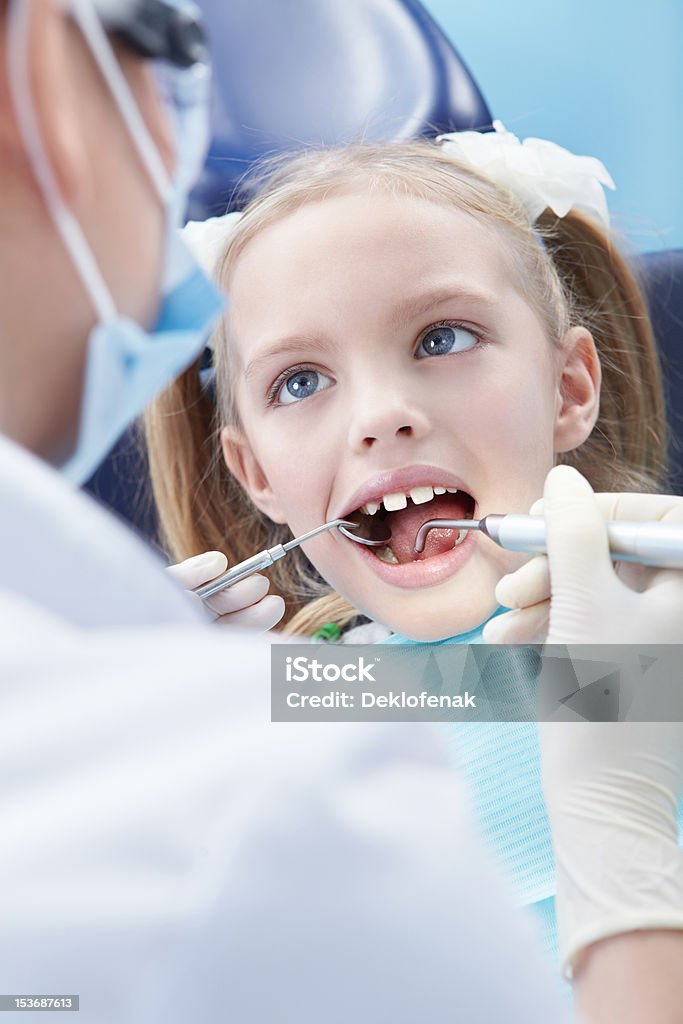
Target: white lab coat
(170, 855)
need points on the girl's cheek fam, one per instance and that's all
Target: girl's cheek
(292, 467)
(297, 442)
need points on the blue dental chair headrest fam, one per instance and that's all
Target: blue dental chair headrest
(295, 73)
(662, 274)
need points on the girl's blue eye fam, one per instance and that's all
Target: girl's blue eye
(439, 341)
(302, 384)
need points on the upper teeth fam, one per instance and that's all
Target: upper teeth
(398, 499)
(421, 494)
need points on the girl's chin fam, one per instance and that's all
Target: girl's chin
(433, 625)
(426, 614)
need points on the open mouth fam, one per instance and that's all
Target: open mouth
(405, 513)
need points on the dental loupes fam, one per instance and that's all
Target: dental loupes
(651, 543)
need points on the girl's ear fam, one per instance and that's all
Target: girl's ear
(245, 467)
(578, 389)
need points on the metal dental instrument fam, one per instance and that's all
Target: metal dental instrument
(649, 543)
(264, 559)
(372, 532)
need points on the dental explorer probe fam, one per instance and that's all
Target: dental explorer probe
(649, 543)
(264, 559)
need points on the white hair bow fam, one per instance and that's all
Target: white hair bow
(539, 173)
(207, 239)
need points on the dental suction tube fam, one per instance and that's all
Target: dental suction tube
(650, 543)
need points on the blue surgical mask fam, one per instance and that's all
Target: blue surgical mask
(126, 365)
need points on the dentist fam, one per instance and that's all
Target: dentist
(165, 852)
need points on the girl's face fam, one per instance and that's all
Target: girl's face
(383, 355)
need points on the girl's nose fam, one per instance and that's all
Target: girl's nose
(387, 423)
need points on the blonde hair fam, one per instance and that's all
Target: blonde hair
(568, 269)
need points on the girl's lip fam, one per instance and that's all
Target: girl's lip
(399, 480)
(425, 573)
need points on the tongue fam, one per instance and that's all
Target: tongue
(405, 523)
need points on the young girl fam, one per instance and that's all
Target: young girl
(399, 331)
(409, 340)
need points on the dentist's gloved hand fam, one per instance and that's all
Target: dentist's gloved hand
(245, 604)
(574, 595)
(612, 792)
(612, 789)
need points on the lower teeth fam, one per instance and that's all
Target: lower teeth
(385, 554)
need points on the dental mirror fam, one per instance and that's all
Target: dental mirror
(368, 532)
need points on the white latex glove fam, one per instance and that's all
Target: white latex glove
(612, 789)
(591, 601)
(244, 604)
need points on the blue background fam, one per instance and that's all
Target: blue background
(599, 77)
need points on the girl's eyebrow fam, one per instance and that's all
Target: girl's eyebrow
(421, 303)
(292, 345)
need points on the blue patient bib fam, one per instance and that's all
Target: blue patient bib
(501, 761)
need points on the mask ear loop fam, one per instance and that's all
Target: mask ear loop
(91, 27)
(68, 227)
(19, 83)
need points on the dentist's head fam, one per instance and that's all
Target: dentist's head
(103, 127)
